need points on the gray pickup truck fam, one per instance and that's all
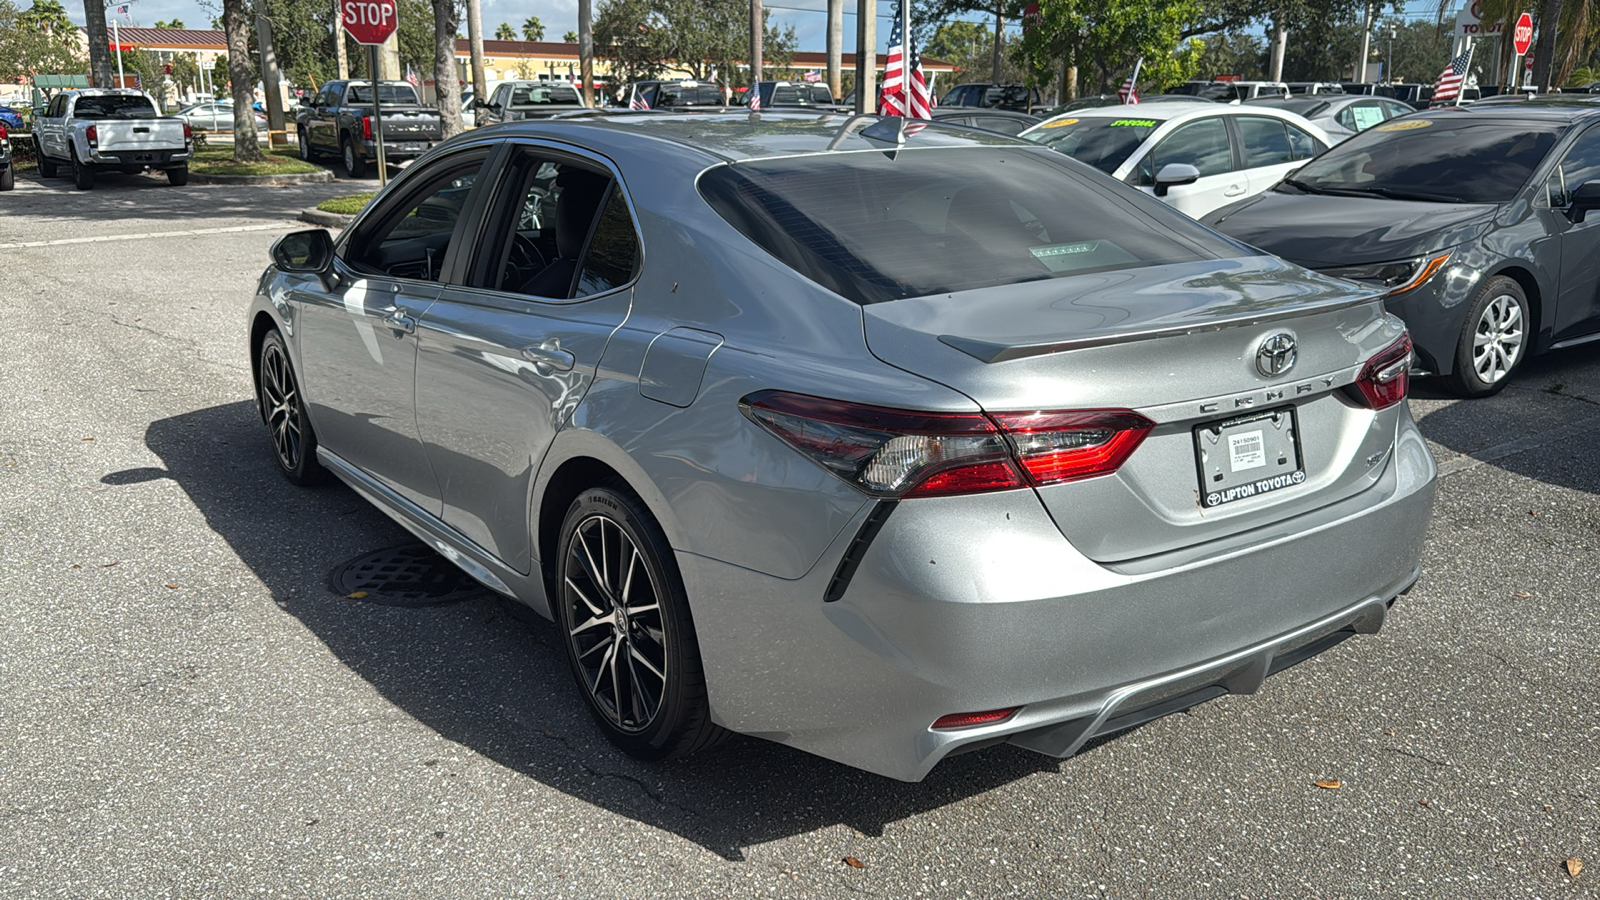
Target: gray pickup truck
(514, 100)
(338, 119)
(110, 129)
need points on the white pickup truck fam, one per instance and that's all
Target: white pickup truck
(108, 129)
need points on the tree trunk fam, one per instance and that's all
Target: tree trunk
(999, 31)
(94, 16)
(339, 49)
(835, 45)
(237, 27)
(586, 50)
(757, 20)
(1544, 49)
(445, 83)
(866, 57)
(1280, 43)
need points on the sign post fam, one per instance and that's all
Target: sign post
(370, 22)
(1521, 41)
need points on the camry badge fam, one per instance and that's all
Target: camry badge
(1276, 355)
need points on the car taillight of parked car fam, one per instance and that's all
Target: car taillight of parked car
(3, 134)
(92, 135)
(366, 128)
(188, 133)
(1386, 378)
(903, 453)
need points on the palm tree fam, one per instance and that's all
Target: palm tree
(532, 29)
(570, 37)
(504, 32)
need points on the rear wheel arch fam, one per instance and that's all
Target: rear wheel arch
(591, 462)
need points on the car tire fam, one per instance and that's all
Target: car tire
(294, 442)
(656, 707)
(354, 165)
(82, 175)
(178, 177)
(1494, 338)
(47, 166)
(8, 178)
(305, 148)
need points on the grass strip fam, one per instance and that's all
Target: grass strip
(346, 206)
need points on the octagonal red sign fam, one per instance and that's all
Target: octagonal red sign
(1522, 35)
(369, 21)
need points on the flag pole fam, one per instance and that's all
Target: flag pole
(1133, 81)
(905, 59)
(1471, 46)
(116, 38)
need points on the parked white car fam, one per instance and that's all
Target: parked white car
(117, 130)
(1196, 156)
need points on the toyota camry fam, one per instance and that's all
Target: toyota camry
(882, 440)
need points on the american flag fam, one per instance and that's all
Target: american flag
(638, 101)
(1448, 87)
(411, 76)
(812, 76)
(754, 99)
(1129, 92)
(897, 100)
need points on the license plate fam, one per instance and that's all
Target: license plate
(1248, 456)
(408, 145)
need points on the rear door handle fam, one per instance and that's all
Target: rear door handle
(549, 356)
(1233, 190)
(400, 320)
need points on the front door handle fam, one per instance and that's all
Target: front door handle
(400, 320)
(1233, 190)
(549, 356)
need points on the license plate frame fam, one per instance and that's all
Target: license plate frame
(1251, 461)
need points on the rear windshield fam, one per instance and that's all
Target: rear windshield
(387, 93)
(696, 95)
(799, 95)
(1102, 142)
(114, 106)
(872, 228)
(545, 94)
(1443, 158)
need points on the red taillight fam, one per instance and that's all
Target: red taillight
(903, 453)
(188, 134)
(1386, 378)
(366, 128)
(3, 133)
(92, 135)
(972, 719)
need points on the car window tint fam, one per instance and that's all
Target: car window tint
(1580, 164)
(554, 208)
(114, 106)
(411, 237)
(544, 94)
(1265, 141)
(1202, 144)
(1102, 142)
(1396, 110)
(1302, 145)
(1439, 157)
(876, 229)
(613, 253)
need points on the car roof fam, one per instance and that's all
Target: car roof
(736, 136)
(1552, 109)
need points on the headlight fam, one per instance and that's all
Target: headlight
(1397, 277)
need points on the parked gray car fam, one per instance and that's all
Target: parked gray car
(1340, 115)
(878, 442)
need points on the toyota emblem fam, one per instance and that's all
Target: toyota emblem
(1277, 355)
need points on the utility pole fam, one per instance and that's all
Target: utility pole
(271, 80)
(835, 45)
(757, 20)
(480, 84)
(999, 29)
(338, 42)
(1280, 43)
(1388, 66)
(866, 56)
(586, 50)
(1366, 49)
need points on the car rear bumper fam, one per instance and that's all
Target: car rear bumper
(152, 158)
(978, 603)
(397, 149)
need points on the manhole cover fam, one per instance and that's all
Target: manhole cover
(409, 575)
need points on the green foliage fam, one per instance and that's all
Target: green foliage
(38, 39)
(650, 38)
(570, 37)
(505, 32)
(170, 23)
(1582, 75)
(1105, 38)
(220, 161)
(347, 206)
(1232, 53)
(532, 29)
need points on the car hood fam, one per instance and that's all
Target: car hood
(1317, 230)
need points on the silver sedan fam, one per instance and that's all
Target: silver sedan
(881, 442)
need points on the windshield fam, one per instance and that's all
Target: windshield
(545, 94)
(874, 228)
(1206, 90)
(1102, 142)
(689, 95)
(114, 106)
(1445, 158)
(387, 93)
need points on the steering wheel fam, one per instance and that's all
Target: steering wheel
(522, 262)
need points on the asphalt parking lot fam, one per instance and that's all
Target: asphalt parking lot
(188, 710)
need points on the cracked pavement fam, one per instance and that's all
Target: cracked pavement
(186, 709)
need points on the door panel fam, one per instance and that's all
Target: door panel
(1578, 284)
(1204, 144)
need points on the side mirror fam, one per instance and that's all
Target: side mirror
(309, 252)
(1585, 198)
(1175, 175)
(477, 103)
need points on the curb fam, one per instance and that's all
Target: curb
(322, 176)
(325, 219)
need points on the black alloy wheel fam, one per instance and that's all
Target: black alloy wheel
(294, 444)
(625, 621)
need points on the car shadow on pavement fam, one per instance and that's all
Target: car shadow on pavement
(1544, 425)
(498, 684)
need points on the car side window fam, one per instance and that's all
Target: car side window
(1302, 145)
(1580, 164)
(1265, 141)
(1364, 115)
(411, 235)
(612, 257)
(1202, 143)
(547, 225)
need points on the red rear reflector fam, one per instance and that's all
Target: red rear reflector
(973, 719)
(1386, 378)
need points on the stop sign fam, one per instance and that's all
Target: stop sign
(1522, 35)
(369, 21)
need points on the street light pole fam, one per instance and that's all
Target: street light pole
(1388, 66)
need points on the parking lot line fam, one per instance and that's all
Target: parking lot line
(101, 238)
